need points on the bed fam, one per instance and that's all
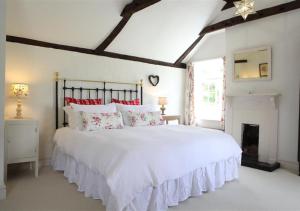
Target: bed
(145, 168)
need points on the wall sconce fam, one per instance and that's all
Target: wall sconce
(19, 90)
(162, 101)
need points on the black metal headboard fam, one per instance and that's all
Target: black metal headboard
(100, 89)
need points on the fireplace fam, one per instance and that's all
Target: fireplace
(250, 141)
(252, 119)
(250, 148)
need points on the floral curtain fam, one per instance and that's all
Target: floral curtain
(190, 96)
(224, 96)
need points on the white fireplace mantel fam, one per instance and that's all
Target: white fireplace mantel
(273, 97)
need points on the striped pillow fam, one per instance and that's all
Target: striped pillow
(126, 102)
(83, 101)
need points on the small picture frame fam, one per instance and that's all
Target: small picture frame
(263, 70)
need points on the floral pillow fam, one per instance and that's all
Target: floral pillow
(135, 119)
(95, 121)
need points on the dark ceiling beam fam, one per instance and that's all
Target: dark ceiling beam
(113, 34)
(38, 43)
(127, 12)
(229, 4)
(136, 6)
(282, 8)
(186, 53)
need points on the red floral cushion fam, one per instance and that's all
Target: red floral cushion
(83, 101)
(127, 102)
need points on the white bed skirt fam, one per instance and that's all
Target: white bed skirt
(170, 193)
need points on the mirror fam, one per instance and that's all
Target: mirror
(253, 64)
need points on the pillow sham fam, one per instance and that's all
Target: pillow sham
(136, 108)
(70, 100)
(135, 119)
(96, 121)
(74, 117)
(109, 108)
(126, 102)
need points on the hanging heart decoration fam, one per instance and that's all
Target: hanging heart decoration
(153, 79)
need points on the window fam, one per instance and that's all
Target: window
(209, 89)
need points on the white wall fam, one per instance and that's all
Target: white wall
(282, 33)
(211, 46)
(2, 71)
(36, 66)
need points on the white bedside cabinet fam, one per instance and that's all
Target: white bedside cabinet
(22, 142)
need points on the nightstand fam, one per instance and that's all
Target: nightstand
(168, 118)
(22, 142)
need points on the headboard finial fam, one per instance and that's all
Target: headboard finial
(142, 82)
(56, 76)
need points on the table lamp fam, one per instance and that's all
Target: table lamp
(162, 101)
(19, 91)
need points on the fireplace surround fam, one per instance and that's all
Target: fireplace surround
(254, 117)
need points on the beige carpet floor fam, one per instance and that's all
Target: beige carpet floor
(256, 190)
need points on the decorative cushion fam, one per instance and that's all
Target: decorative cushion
(135, 108)
(135, 119)
(126, 102)
(70, 100)
(96, 121)
(74, 117)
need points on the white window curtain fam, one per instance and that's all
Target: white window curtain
(189, 96)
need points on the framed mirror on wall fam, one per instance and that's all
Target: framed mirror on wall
(253, 64)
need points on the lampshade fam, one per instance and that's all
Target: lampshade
(20, 90)
(162, 101)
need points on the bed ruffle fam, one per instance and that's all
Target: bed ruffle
(170, 193)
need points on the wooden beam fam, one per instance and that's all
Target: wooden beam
(282, 8)
(113, 34)
(38, 43)
(186, 53)
(128, 11)
(229, 4)
(136, 6)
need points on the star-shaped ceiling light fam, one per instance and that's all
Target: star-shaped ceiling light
(244, 8)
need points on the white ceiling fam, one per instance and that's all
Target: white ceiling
(165, 30)
(162, 32)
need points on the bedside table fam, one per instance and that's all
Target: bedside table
(22, 142)
(168, 118)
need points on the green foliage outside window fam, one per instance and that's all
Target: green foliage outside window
(210, 93)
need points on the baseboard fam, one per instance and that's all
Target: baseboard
(2, 192)
(290, 166)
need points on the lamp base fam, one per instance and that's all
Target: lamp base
(19, 110)
(163, 110)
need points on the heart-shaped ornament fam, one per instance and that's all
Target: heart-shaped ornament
(153, 79)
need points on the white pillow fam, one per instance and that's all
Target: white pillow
(135, 119)
(74, 117)
(109, 108)
(138, 108)
(96, 121)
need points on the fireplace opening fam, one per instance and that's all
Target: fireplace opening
(250, 142)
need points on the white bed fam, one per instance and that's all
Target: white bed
(146, 168)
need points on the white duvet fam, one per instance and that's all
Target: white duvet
(133, 159)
